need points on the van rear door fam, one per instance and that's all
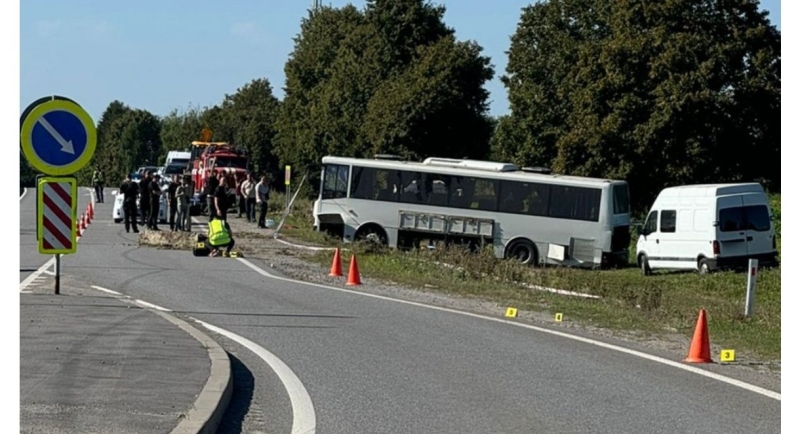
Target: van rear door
(731, 228)
(758, 225)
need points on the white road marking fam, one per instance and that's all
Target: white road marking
(99, 288)
(304, 418)
(144, 303)
(35, 275)
(674, 364)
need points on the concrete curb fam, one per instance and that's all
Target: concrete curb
(206, 413)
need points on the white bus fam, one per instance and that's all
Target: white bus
(524, 213)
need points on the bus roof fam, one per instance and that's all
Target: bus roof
(485, 169)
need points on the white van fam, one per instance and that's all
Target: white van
(707, 227)
(178, 157)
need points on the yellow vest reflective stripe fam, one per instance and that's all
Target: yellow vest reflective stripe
(217, 233)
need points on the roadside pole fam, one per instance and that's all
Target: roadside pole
(750, 299)
(288, 208)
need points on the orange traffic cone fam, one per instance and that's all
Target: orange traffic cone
(88, 215)
(336, 267)
(353, 277)
(91, 210)
(700, 350)
(82, 226)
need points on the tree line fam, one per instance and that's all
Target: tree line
(657, 93)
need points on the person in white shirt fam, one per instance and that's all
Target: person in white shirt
(262, 198)
(249, 194)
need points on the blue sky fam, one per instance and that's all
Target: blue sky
(163, 55)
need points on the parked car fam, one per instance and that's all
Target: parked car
(706, 228)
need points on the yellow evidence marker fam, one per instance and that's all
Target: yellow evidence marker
(559, 317)
(727, 356)
(511, 312)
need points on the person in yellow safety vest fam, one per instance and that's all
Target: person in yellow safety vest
(219, 236)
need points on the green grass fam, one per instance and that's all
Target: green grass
(630, 302)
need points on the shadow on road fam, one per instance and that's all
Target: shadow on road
(243, 385)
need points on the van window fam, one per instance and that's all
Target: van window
(757, 218)
(668, 218)
(752, 217)
(650, 225)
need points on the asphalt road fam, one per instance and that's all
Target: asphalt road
(371, 365)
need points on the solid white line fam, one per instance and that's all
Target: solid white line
(24, 192)
(304, 418)
(99, 288)
(144, 303)
(722, 378)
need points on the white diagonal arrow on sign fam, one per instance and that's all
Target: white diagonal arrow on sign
(66, 145)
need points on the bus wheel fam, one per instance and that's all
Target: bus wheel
(524, 251)
(373, 233)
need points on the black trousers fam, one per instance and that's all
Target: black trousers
(228, 246)
(262, 214)
(129, 211)
(173, 209)
(98, 192)
(152, 219)
(251, 209)
(212, 210)
(144, 208)
(242, 205)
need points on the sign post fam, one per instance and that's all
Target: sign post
(58, 138)
(750, 299)
(288, 181)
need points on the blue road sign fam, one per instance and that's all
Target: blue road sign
(58, 137)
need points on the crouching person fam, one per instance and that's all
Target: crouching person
(219, 236)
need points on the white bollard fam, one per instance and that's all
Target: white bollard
(750, 300)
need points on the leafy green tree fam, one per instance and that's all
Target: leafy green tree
(134, 140)
(178, 130)
(389, 79)
(252, 112)
(658, 93)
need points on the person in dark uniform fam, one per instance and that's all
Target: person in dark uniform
(211, 184)
(129, 191)
(172, 199)
(144, 198)
(155, 203)
(221, 199)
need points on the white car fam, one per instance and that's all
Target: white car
(118, 216)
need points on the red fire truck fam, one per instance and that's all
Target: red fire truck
(211, 159)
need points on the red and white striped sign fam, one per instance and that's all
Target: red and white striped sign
(58, 226)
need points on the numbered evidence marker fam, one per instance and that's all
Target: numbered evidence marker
(57, 136)
(559, 317)
(727, 356)
(511, 312)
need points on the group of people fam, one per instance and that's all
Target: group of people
(148, 192)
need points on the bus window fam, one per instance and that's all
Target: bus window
(411, 187)
(374, 184)
(334, 185)
(485, 196)
(461, 191)
(513, 197)
(621, 199)
(437, 189)
(575, 203)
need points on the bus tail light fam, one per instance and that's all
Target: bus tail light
(716, 247)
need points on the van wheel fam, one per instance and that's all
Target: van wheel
(523, 251)
(645, 265)
(702, 266)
